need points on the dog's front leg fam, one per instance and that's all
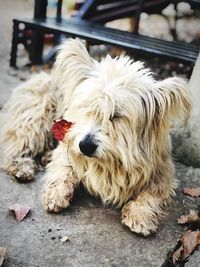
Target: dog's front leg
(60, 182)
(142, 214)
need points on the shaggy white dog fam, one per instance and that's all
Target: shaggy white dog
(118, 145)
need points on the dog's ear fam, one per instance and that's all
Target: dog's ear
(172, 99)
(72, 63)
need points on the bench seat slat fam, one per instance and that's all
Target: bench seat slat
(98, 33)
(101, 29)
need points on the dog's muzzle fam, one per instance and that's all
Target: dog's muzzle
(88, 146)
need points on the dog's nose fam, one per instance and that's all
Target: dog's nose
(88, 146)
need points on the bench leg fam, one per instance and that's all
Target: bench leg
(36, 47)
(13, 54)
(37, 39)
(137, 16)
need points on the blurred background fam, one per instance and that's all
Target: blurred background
(182, 24)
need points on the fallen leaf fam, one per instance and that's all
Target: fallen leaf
(177, 254)
(2, 255)
(193, 192)
(189, 218)
(64, 239)
(189, 241)
(20, 211)
(60, 128)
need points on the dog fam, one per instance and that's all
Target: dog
(118, 143)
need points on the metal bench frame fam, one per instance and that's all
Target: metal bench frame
(85, 26)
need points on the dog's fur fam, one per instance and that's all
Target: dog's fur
(123, 111)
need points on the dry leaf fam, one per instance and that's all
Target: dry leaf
(193, 192)
(177, 254)
(64, 239)
(2, 255)
(189, 241)
(189, 218)
(20, 211)
(60, 128)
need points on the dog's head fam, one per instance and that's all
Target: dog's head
(120, 113)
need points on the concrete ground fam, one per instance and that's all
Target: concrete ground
(96, 236)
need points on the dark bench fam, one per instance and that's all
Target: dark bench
(106, 10)
(97, 33)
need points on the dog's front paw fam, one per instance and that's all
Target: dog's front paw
(139, 218)
(22, 169)
(58, 195)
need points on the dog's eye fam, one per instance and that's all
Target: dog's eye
(116, 115)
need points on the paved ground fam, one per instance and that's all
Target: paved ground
(96, 236)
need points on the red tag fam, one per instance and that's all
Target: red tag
(60, 128)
